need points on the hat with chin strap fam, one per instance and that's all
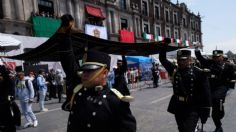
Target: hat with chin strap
(183, 54)
(96, 60)
(217, 53)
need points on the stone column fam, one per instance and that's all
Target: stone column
(19, 9)
(35, 6)
(69, 7)
(6, 6)
(77, 14)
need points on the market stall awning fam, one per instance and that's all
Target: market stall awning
(8, 43)
(94, 11)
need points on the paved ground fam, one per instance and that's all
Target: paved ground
(149, 108)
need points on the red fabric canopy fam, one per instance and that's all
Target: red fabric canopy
(94, 11)
(126, 36)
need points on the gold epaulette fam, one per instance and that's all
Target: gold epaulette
(75, 90)
(122, 97)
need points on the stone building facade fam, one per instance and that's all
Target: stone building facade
(156, 17)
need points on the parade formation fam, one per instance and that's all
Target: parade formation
(96, 104)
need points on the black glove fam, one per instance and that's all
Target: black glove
(66, 106)
(204, 113)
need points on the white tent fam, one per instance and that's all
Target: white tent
(8, 43)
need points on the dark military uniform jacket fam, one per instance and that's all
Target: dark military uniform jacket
(190, 87)
(101, 110)
(220, 75)
(92, 110)
(120, 81)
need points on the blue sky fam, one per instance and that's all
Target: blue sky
(218, 23)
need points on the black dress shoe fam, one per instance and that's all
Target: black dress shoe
(219, 129)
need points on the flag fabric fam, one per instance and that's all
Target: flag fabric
(126, 36)
(186, 43)
(159, 38)
(148, 36)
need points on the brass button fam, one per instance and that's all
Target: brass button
(88, 125)
(104, 96)
(94, 113)
(100, 102)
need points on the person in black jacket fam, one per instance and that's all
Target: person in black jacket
(8, 121)
(191, 93)
(93, 106)
(120, 80)
(155, 74)
(221, 75)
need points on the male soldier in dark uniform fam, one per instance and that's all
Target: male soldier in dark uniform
(221, 74)
(191, 92)
(120, 81)
(155, 75)
(93, 106)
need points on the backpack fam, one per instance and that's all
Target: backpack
(26, 83)
(35, 84)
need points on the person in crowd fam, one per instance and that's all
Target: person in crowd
(59, 83)
(221, 74)
(52, 84)
(25, 93)
(191, 93)
(8, 121)
(120, 80)
(155, 75)
(111, 78)
(42, 84)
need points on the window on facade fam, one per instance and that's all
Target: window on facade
(167, 15)
(124, 23)
(145, 28)
(196, 26)
(145, 8)
(197, 38)
(112, 22)
(193, 39)
(185, 36)
(123, 4)
(94, 21)
(158, 30)
(157, 12)
(176, 35)
(168, 33)
(175, 18)
(184, 22)
(45, 8)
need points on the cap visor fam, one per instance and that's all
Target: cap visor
(89, 67)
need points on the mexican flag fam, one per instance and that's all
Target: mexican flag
(186, 43)
(159, 38)
(148, 36)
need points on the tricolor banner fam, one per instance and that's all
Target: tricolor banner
(148, 36)
(159, 38)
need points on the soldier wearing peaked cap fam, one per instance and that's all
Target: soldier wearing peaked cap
(191, 92)
(120, 81)
(221, 74)
(92, 105)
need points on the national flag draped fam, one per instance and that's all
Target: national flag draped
(147, 36)
(159, 38)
